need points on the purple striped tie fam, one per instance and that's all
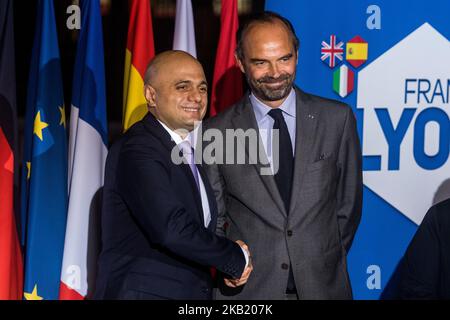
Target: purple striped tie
(188, 153)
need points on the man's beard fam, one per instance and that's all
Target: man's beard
(266, 93)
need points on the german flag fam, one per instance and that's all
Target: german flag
(11, 265)
(140, 50)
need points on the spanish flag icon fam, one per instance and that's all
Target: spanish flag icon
(357, 51)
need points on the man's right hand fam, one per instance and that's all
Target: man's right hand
(233, 283)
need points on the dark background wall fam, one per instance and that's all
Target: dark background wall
(115, 27)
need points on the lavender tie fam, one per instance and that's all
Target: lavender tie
(188, 153)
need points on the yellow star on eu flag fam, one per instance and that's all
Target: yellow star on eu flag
(33, 295)
(63, 115)
(39, 125)
(28, 170)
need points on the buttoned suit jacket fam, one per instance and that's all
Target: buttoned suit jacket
(325, 209)
(154, 242)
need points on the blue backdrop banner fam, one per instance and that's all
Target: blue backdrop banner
(390, 62)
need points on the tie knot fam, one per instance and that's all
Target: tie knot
(276, 114)
(185, 147)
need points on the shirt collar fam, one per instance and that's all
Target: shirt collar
(177, 138)
(261, 109)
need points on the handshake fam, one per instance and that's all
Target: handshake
(233, 283)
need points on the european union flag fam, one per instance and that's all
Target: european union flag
(44, 176)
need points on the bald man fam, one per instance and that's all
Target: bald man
(159, 213)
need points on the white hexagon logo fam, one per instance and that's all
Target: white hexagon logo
(406, 135)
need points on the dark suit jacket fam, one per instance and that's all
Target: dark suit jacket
(154, 243)
(316, 234)
(426, 265)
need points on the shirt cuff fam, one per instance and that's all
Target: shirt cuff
(246, 257)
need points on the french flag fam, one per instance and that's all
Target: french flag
(87, 156)
(184, 35)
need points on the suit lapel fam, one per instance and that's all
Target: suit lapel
(195, 192)
(306, 124)
(245, 119)
(155, 128)
(211, 198)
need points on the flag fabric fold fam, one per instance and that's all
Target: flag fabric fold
(44, 174)
(87, 156)
(184, 36)
(11, 264)
(227, 79)
(139, 51)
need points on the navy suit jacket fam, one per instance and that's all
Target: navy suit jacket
(154, 242)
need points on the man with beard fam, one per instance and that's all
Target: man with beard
(300, 220)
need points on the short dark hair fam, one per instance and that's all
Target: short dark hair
(264, 17)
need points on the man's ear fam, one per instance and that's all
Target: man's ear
(239, 63)
(150, 95)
